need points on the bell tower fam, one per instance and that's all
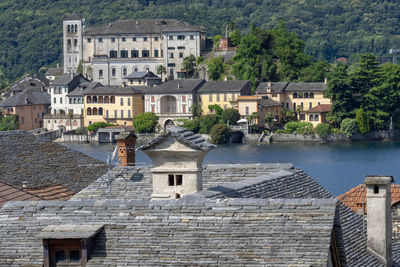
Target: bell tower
(72, 42)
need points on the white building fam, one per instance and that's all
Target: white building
(109, 53)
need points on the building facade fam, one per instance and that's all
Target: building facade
(248, 105)
(110, 53)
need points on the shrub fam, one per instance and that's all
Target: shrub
(220, 134)
(299, 127)
(192, 125)
(145, 122)
(349, 127)
(363, 121)
(280, 131)
(97, 125)
(218, 110)
(80, 131)
(336, 131)
(323, 130)
(230, 115)
(9, 123)
(207, 122)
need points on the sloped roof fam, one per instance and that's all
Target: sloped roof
(176, 87)
(142, 26)
(30, 96)
(44, 164)
(322, 108)
(55, 71)
(84, 87)
(73, 16)
(52, 192)
(268, 102)
(113, 90)
(276, 87)
(67, 78)
(224, 86)
(306, 86)
(11, 193)
(141, 75)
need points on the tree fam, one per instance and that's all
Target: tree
(218, 110)
(315, 72)
(349, 127)
(196, 110)
(161, 70)
(145, 122)
(220, 134)
(323, 130)
(216, 40)
(287, 115)
(207, 122)
(97, 125)
(188, 65)
(9, 123)
(80, 68)
(235, 37)
(363, 121)
(341, 94)
(3, 82)
(192, 125)
(215, 68)
(230, 116)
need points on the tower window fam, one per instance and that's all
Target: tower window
(89, 40)
(175, 180)
(171, 181)
(100, 40)
(376, 189)
(178, 179)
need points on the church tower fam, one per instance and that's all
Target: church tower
(72, 42)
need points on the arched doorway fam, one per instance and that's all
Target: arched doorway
(237, 137)
(168, 123)
(168, 104)
(89, 73)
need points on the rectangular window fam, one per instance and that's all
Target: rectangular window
(122, 101)
(100, 40)
(124, 53)
(22, 120)
(179, 179)
(301, 104)
(134, 53)
(113, 54)
(181, 37)
(191, 37)
(218, 99)
(247, 110)
(183, 108)
(294, 106)
(115, 114)
(100, 73)
(310, 105)
(129, 101)
(123, 39)
(225, 97)
(175, 179)
(210, 98)
(155, 52)
(145, 53)
(171, 72)
(302, 117)
(122, 113)
(156, 38)
(287, 105)
(180, 54)
(144, 39)
(112, 39)
(171, 179)
(89, 40)
(171, 37)
(55, 100)
(181, 47)
(171, 48)
(60, 100)
(233, 97)
(129, 114)
(171, 55)
(133, 39)
(107, 113)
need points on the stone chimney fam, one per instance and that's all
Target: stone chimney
(126, 148)
(379, 217)
(325, 81)
(269, 86)
(25, 184)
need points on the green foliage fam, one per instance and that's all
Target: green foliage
(9, 123)
(80, 131)
(297, 127)
(207, 122)
(315, 72)
(323, 130)
(161, 70)
(188, 65)
(349, 127)
(145, 122)
(80, 68)
(196, 110)
(215, 68)
(216, 40)
(230, 115)
(3, 82)
(363, 121)
(97, 125)
(280, 131)
(199, 60)
(235, 37)
(218, 110)
(288, 115)
(192, 125)
(336, 131)
(220, 134)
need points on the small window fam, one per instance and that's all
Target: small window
(113, 54)
(129, 101)
(311, 95)
(376, 189)
(112, 39)
(171, 55)
(181, 47)
(210, 98)
(191, 37)
(145, 39)
(178, 179)
(294, 106)
(129, 114)
(124, 53)
(218, 98)
(156, 38)
(181, 37)
(124, 72)
(301, 105)
(300, 95)
(294, 95)
(100, 73)
(122, 101)
(145, 53)
(155, 52)
(171, 37)
(247, 110)
(100, 40)
(89, 40)
(123, 39)
(134, 53)
(122, 113)
(171, 181)
(225, 97)
(302, 117)
(133, 39)
(310, 105)
(113, 72)
(180, 55)
(22, 120)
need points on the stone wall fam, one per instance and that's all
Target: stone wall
(47, 136)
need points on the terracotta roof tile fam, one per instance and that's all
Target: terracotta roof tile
(354, 198)
(52, 192)
(320, 108)
(10, 193)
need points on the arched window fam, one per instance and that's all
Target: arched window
(311, 95)
(76, 28)
(67, 123)
(183, 98)
(101, 111)
(113, 72)
(88, 99)
(124, 53)
(112, 100)
(106, 99)
(89, 111)
(94, 111)
(311, 117)
(136, 69)
(75, 123)
(305, 95)
(316, 118)
(100, 99)
(94, 99)
(153, 99)
(300, 95)
(69, 28)
(294, 95)
(124, 72)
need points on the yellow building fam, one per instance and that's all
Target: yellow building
(118, 105)
(295, 96)
(250, 104)
(315, 115)
(222, 93)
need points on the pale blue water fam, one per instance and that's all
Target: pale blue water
(337, 167)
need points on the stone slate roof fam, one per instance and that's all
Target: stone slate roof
(305, 87)
(70, 80)
(204, 231)
(183, 136)
(24, 159)
(73, 16)
(55, 71)
(276, 87)
(30, 96)
(176, 86)
(141, 75)
(83, 87)
(113, 90)
(143, 26)
(225, 86)
(268, 102)
(27, 82)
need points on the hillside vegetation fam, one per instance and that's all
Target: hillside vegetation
(31, 32)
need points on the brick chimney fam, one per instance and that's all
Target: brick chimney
(126, 148)
(379, 217)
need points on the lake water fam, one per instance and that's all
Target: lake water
(337, 167)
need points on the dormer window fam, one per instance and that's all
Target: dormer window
(175, 180)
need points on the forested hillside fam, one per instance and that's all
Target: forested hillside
(30, 30)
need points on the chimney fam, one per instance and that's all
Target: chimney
(24, 184)
(325, 81)
(179, 85)
(72, 75)
(26, 100)
(269, 83)
(379, 217)
(126, 148)
(58, 65)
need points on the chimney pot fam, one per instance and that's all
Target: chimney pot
(379, 217)
(269, 83)
(24, 184)
(325, 81)
(126, 148)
